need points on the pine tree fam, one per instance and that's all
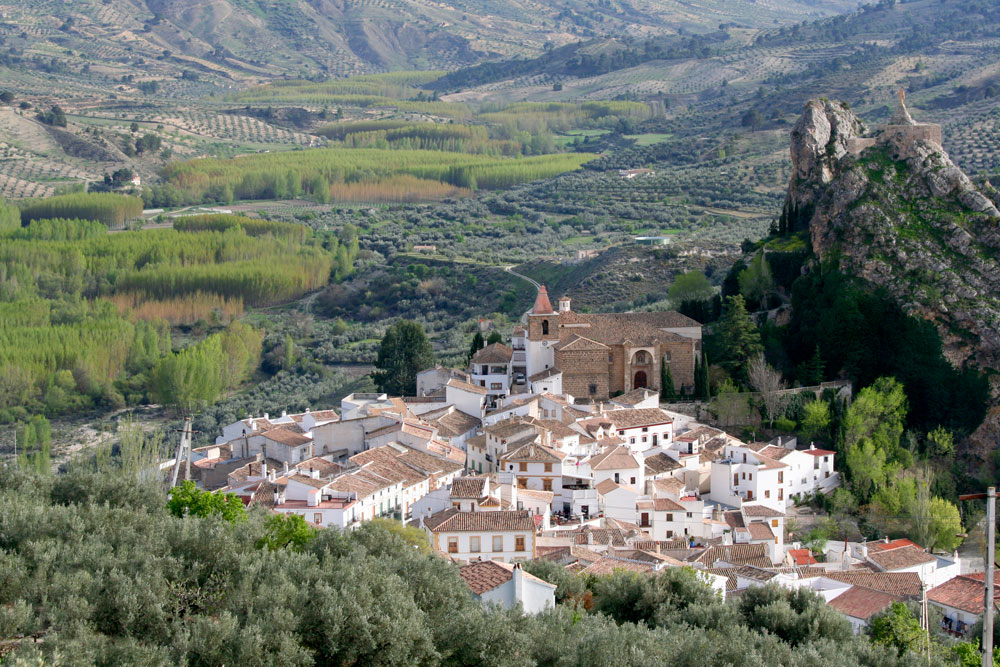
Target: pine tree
(495, 337)
(815, 368)
(667, 393)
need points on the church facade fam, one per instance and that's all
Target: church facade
(599, 355)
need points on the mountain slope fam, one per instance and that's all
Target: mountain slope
(343, 37)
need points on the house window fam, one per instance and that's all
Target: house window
(522, 483)
(522, 466)
(545, 327)
(744, 457)
(827, 475)
(689, 515)
(616, 478)
(774, 523)
(767, 493)
(498, 543)
(749, 494)
(546, 485)
(496, 385)
(736, 479)
(781, 477)
(592, 388)
(611, 358)
(645, 438)
(548, 467)
(474, 544)
(633, 480)
(645, 429)
(743, 475)
(670, 517)
(453, 545)
(318, 517)
(644, 519)
(670, 533)
(750, 476)
(519, 543)
(458, 505)
(621, 432)
(631, 441)
(781, 494)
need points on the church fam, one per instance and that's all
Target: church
(598, 355)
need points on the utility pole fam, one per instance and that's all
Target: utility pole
(991, 536)
(991, 530)
(183, 449)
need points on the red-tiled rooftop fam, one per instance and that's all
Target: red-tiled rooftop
(862, 603)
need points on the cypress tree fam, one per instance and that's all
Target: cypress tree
(667, 393)
(477, 344)
(702, 377)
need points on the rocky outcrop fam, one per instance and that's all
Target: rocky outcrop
(899, 214)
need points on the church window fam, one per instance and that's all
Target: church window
(592, 388)
(545, 327)
(667, 355)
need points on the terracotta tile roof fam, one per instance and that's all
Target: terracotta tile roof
(734, 519)
(632, 418)
(505, 428)
(354, 484)
(326, 468)
(614, 458)
(454, 423)
(428, 463)
(668, 485)
(770, 464)
(606, 566)
(882, 546)
(494, 353)
(633, 397)
(963, 592)
(760, 511)
(774, 452)
(802, 557)
(309, 481)
(652, 545)
(576, 342)
(608, 485)
(862, 603)
(737, 554)
(540, 496)
(542, 304)
(667, 505)
(900, 558)
(545, 374)
(287, 435)
(817, 452)
(567, 553)
(468, 487)
(466, 386)
(453, 521)
(645, 556)
(729, 573)
(604, 536)
(486, 575)
(660, 463)
(534, 453)
(760, 531)
(903, 584)
(697, 433)
(616, 328)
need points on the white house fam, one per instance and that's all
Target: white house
(618, 501)
(617, 463)
(508, 585)
(467, 397)
(808, 470)
(960, 600)
(744, 475)
(640, 429)
(534, 466)
(490, 368)
(505, 535)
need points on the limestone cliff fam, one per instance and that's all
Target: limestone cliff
(894, 210)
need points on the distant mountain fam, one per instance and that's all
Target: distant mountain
(341, 37)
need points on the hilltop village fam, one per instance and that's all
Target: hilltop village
(557, 448)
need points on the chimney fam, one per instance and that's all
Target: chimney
(286, 467)
(314, 473)
(284, 413)
(518, 582)
(267, 417)
(263, 469)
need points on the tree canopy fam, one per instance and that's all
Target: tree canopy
(404, 352)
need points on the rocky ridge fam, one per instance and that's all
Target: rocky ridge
(894, 210)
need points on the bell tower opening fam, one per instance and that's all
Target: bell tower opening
(545, 327)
